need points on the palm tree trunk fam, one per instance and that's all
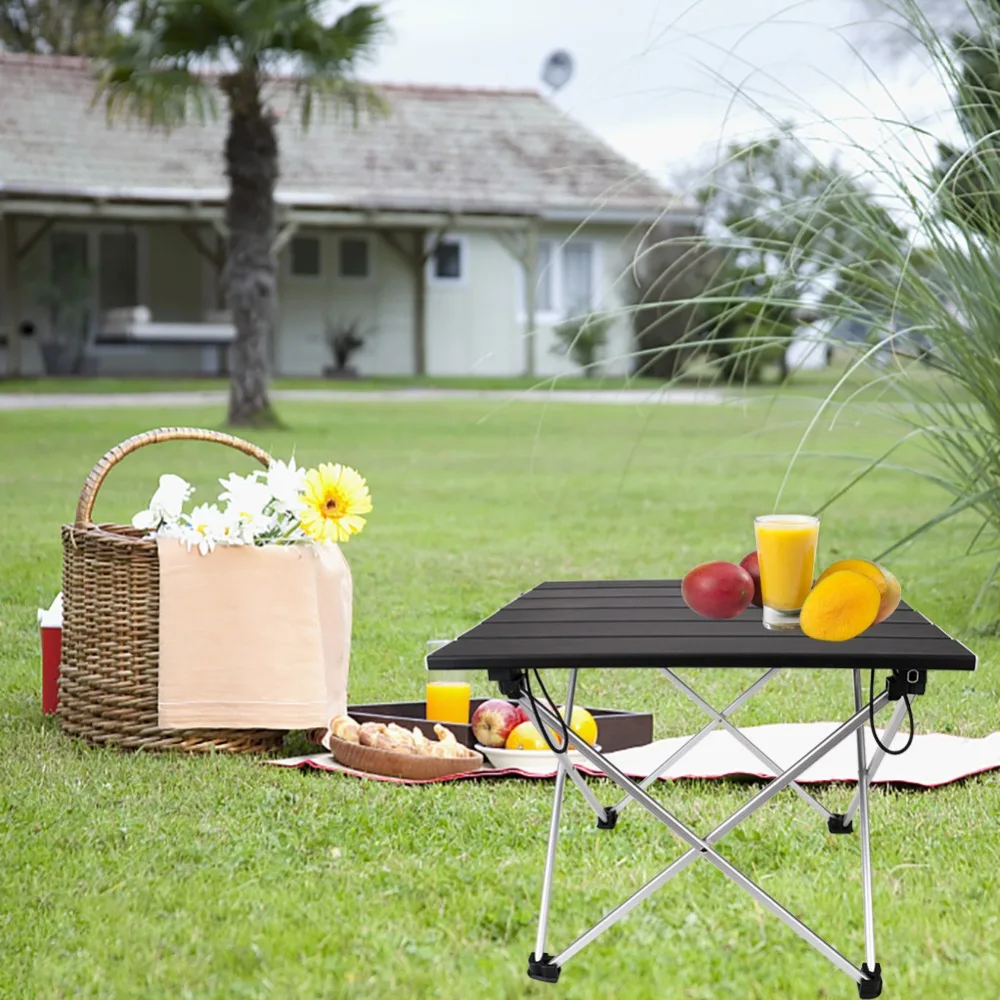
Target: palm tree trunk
(250, 275)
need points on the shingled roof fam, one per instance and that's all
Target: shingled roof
(439, 149)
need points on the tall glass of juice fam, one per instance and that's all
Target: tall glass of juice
(786, 551)
(448, 692)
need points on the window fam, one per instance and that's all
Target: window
(306, 262)
(71, 295)
(118, 278)
(566, 279)
(448, 260)
(577, 278)
(353, 257)
(93, 269)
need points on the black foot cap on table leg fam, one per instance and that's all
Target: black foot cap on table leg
(544, 971)
(836, 824)
(871, 986)
(612, 818)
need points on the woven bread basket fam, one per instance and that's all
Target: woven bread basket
(110, 649)
(373, 760)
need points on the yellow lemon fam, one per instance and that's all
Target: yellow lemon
(582, 723)
(526, 737)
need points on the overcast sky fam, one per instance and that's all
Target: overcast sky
(655, 77)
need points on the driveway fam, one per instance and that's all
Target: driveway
(149, 400)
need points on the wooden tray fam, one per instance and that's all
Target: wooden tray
(616, 730)
(398, 765)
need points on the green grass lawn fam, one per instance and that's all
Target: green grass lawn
(146, 876)
(864, 383)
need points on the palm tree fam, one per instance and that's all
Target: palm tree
(157, 73)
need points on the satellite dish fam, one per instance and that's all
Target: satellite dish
(557, 69)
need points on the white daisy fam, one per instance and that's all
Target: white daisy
(286, 483)
(205, 528)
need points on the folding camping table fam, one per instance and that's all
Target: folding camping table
(645, 624)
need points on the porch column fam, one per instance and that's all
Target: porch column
(523, 247)
(416, 255)
(216, 256)
(12, 297)
(530, 265)
(420, 257)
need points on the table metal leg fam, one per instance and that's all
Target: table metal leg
(878, 756)
(540, 959)
(723, 722)
(702, 847)
(872, 987)
(540, 962)
(696, 739)
(571, 772)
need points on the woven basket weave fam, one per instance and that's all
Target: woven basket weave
(111, 604)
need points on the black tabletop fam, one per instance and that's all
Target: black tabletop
(645, 623)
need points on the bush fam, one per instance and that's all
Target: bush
(582, 339)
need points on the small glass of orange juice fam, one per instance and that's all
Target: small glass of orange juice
(786, 551)
(448, 692)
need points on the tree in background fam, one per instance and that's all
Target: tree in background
(785, 228)
(674, 264)
(154, 73)
(58, 27)
(969, 177)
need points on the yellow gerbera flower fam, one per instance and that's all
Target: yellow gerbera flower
(334, 498)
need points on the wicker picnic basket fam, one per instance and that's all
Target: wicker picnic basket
(111, 598)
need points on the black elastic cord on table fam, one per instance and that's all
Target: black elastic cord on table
(871, 720)
(552, 705)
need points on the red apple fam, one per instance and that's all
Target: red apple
(752, 565)
(494, 720)
(718, 590)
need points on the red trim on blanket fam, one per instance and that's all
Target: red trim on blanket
(513, 772)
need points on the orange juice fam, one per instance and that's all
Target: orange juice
(786, 550)
(448, 701)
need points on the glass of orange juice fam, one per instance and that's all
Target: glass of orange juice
(786, 551)
(448, 692)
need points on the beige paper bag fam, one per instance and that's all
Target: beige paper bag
(253, 637)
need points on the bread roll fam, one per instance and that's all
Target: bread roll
(345, 728)
(401, 737)
(369, 733)
(385, 742)
(443, 734)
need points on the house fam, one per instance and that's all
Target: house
(422, 226)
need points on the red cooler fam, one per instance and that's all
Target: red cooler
(50, 624)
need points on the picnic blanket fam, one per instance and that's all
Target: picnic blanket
(934, 759)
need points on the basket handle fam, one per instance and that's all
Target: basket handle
(85, 508)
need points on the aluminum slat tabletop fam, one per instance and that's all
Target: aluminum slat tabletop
(645, 623)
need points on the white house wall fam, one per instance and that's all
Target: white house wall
(474, 326)
(383, 303)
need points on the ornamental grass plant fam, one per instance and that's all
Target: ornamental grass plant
(896, 258)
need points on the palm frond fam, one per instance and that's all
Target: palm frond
(136, 81)
(328, 58)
